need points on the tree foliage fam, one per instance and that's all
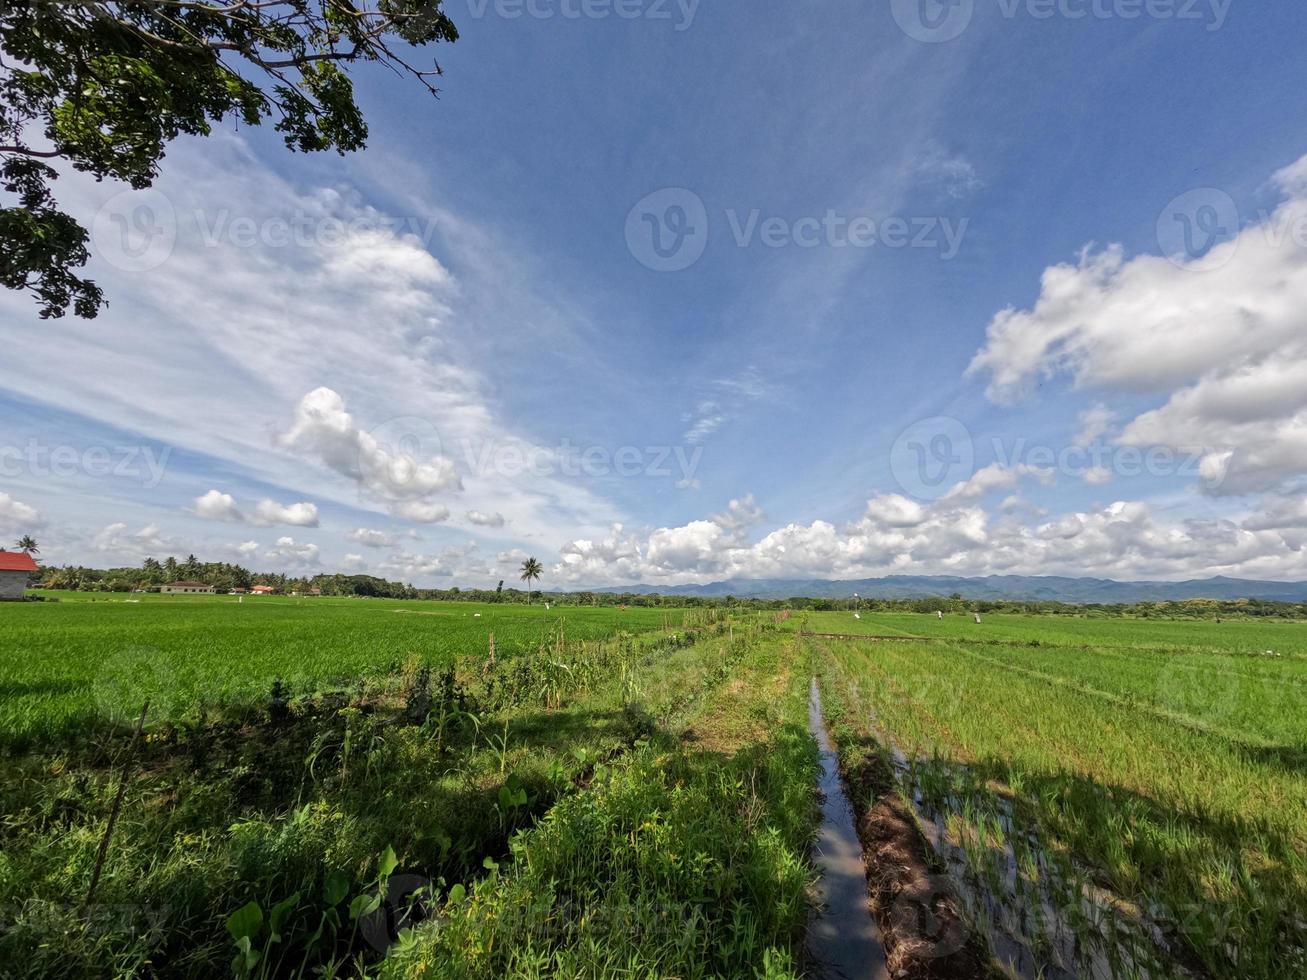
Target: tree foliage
(105, 86)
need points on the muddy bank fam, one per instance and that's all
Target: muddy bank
(917, 909)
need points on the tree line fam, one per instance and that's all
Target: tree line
(226, 577)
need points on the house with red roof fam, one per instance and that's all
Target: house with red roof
(16, 568)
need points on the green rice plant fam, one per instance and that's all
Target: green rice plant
(1193, 818)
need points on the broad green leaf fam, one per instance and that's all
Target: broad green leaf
(279, 914)
(387, 863)
(336, 888)
(364, 904)
(245, 922)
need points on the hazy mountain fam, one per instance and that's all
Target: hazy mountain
(1052, 587)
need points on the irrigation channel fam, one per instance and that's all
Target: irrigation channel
(843, 939)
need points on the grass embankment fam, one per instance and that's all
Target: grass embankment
(1175, 783)
(684, 859)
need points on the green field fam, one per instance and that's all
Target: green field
(1168, 777)
(1254, 636)
(631, 793)
(68, 665)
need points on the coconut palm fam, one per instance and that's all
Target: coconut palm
(531, 570)
(27, 545)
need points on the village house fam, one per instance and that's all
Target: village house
(180, 588)
(16, 568)
(264, 590)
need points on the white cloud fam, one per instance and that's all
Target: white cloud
(370, 315)
(290, 554)
(1094, 423)
(1279, 513)
(1121, 540)
(740, 515)
(420, 511)
(1222, 342)
(895, 510)
(16, 514)
(706, 419)
(996, 476)
(382, 462)
(353, 563)
(726, 399)
(455, 560)
(370, 538)
(952, 172)
(302, 514)
(218, 506)
(1097, 476)
(116, 541)
(485, 520)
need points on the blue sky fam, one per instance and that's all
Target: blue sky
(321, 363)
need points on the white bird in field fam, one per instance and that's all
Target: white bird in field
(857, 615)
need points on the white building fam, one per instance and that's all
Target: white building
(187, 588)
(15, 570)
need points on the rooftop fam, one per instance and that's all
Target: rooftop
(17, 561)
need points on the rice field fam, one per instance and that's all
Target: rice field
(70, 665)
(1232, 636)
(351, 788)
(1128, 806)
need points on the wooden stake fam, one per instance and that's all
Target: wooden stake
(117, 806)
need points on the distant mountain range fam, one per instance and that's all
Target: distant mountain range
(1027, 587)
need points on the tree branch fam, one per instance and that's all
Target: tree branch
(24, 151)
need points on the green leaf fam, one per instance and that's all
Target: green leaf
(490, 864)
(387, 863)
(279, 914)
(364, 905)
(336, 888)
(245, 922)
(457, 894)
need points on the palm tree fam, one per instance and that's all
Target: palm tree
(27, 545)
(531, 570)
